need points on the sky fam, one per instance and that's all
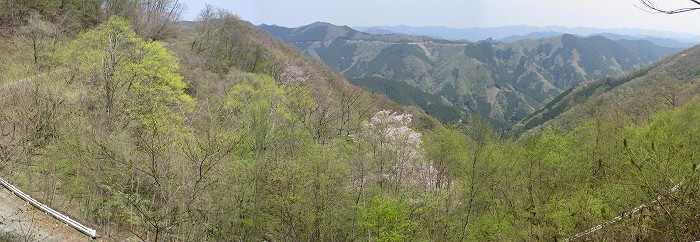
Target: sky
(607, 14)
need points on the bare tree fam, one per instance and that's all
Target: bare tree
(37, 32)
(158, 18)
(152, 19)
(648, 6)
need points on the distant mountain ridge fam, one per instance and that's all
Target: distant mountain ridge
(502, 81)
(518, 32)
(533, 35)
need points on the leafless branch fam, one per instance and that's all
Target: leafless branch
(650, 7)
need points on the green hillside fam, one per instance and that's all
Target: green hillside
(502, 81)
(632, 97)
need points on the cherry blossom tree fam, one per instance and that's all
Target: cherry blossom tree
(399, 160)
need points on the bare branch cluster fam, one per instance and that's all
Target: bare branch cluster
(648, 6)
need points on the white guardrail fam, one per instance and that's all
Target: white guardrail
(598, 227)
(82, 228)
(619, 218)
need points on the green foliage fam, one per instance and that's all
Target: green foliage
(446, 148)
(131, 74)
(265, 107)
(387, 219)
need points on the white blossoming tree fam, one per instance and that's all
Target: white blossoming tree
(397, 158)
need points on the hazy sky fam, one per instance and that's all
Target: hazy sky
(457, 13)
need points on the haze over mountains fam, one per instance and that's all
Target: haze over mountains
(501, 81)
(518, 32)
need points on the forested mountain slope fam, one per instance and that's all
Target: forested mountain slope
(629, 98)
(405, 94)
(504, 81)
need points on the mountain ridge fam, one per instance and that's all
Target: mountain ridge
(505, 32)
(503, 81)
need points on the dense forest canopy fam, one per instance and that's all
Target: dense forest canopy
(150, 130)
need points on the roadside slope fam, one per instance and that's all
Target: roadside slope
(20, 221)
